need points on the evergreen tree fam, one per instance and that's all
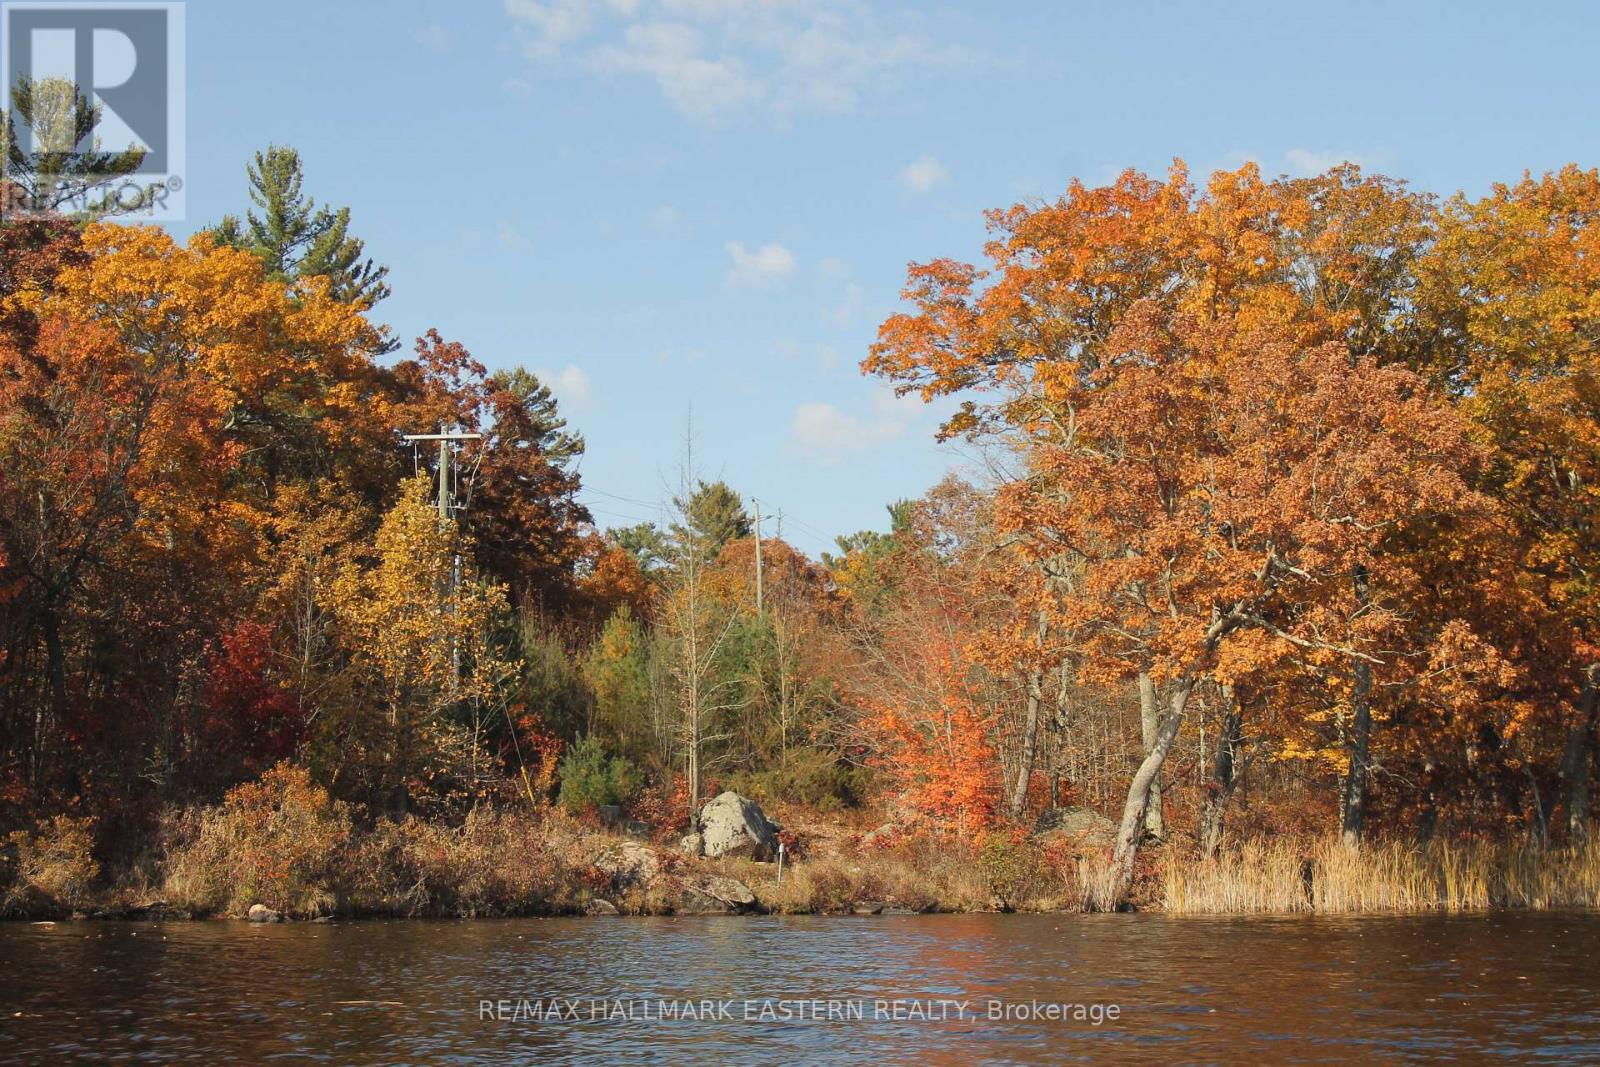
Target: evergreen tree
(543, 426)
(645, 542)
(64, 163)
(712, 516)
(296, 238)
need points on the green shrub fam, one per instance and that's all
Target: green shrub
(1013, 869)
(590, 778)
(812, 778)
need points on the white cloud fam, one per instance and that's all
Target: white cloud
(665, 217)
(765, 267)
(570, 384)
(832, 269)
(923, 174)
(554, 23)
(715, 58)
(824, 431)
(1303, 163)
(670, 53)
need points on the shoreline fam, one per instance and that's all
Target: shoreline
(608, 876)
(179, 917)
(306, 857)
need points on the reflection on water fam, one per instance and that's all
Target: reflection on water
(1515, 986)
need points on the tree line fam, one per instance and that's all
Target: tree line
(1288, 523)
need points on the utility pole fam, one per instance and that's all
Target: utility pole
(444, 479)
(759, 606)
(445, 439)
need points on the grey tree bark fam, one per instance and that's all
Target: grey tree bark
(1579, 753)
(1030, 728)
(1359, 743)
(1131, 828)
(1149, 728)
(1224, 774)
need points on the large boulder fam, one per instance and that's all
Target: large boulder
(714, 894)
(629, 864)
(1081, 826)
(260, 913)
(732, 825)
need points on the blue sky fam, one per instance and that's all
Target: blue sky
(672, 204)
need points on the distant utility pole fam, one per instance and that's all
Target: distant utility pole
(444, 438)
(758, 557)
(446, 503)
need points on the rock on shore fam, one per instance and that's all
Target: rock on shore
(733, 825)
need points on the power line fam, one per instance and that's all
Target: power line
(662, 509)
(618, 514)
(652, 504)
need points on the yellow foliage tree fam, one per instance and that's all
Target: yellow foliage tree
(415, 630)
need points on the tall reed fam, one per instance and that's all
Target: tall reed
(1322, 875)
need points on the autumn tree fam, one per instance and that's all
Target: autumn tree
(862, 569)
(1229, 492)
(517, 486)
(124, 370)
(416, 634)
(930, 712)
(1509, 296)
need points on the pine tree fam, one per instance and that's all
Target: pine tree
(543, 426)
(711, 516)
(65, 163)
(296, 238)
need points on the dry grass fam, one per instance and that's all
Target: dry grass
(496, 863)
(53, 870)
(280, 842)
(1321, 875)
(283, 843)
(923, 874)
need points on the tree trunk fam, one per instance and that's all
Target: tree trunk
(1030, 741)
(1428, 821)
(1223, 775)
(1030, 725)
(45, 722)
(1577, 757)
(1139, 796)
(1149, 727)
(1359, 744)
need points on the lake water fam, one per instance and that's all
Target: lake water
(1512, 987)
